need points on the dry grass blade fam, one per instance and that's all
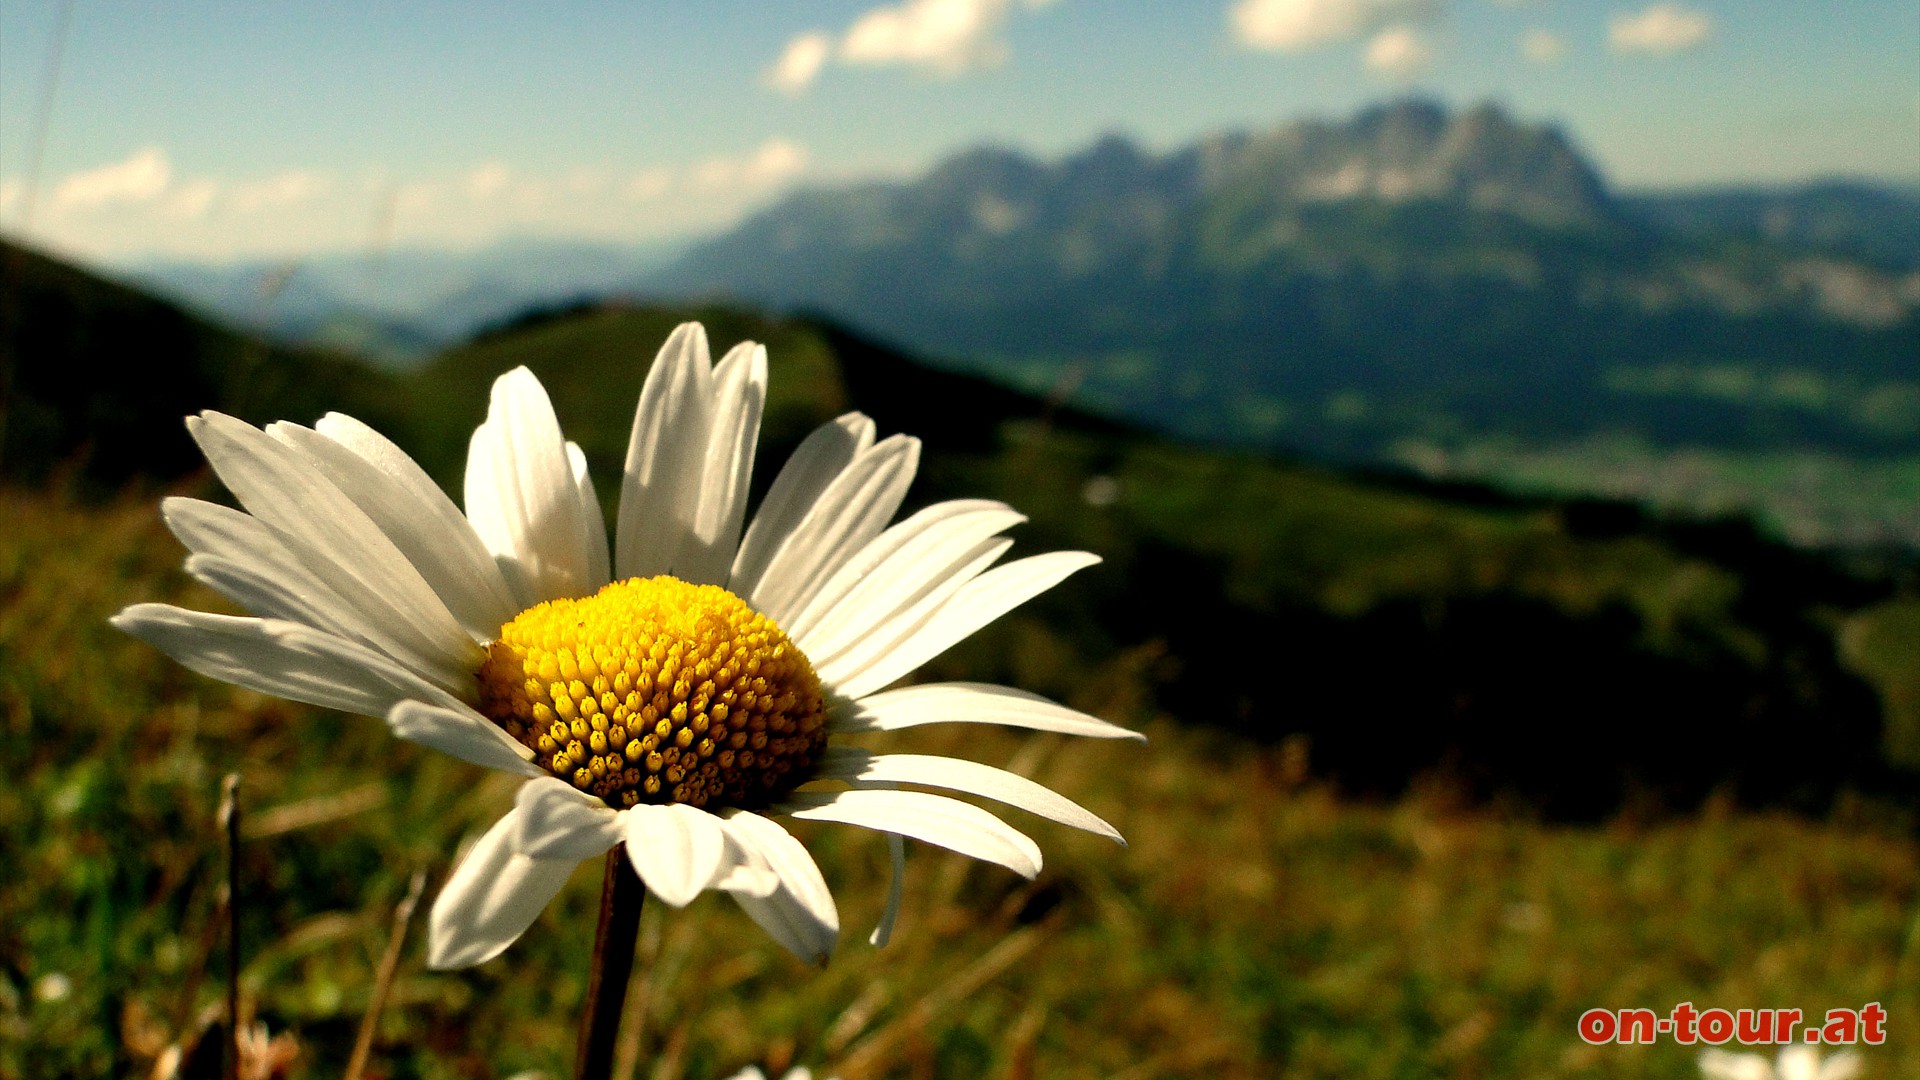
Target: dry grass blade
(1183, 1059)
(671, 1065)
(854, 1019)
(872, 1055)
(320, 810)
(633, 1024)
(1020, 1040)
(383, 979)
(229, 819)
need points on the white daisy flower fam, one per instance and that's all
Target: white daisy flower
(1794, 1063)
(671, 694)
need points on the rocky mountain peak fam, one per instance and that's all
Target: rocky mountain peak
(1415, 150)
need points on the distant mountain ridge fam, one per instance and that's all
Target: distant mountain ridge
(1232, 201)
(1443, 291)
(1116, 205)
(1850, 217)
(1413, 151)
(396, 307)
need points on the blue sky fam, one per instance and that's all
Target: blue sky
(222, 130)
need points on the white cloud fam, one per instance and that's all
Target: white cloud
(1662, 30)
(1398, 53)
(140, 178)
(944, 37)
(290, 188)
(649, 184)
(776, 162)
(192, 199)
(486, 181)
(800, 64)
(1298, 25)
(1543, 46)
(145, 209)
(586, 181)
(773, 164)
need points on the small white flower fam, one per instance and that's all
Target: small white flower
(53, 986)
(1794, 1063)
(669, 693)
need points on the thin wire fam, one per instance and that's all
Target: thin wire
(43, 115)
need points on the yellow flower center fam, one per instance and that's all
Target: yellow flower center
(657, 691)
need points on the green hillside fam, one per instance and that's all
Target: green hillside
(95, 378)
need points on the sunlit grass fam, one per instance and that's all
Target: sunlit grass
(1257, 926)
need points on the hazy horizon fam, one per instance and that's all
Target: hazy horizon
(222, 131)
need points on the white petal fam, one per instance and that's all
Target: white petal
(1721, 1065)
(598, 570)
(967, 703)
(337, 542)
(491, 899)
(1844, 1065)
(556, 821)
(863, 768)
(678, 850)
(843, 666)
(983, 600)
(800, 913)
(896, 887)
(747, 874)
(243, 560)
(521, 494)
(1798, 1063)
(413, 513)
(255, 584)
(746, 870)
(895, 569)
(816, 462)
(948, 823)
(852, 511)
(488, 515)
(740, 394)
(666, 456)
(281, 658)
(461, 733)
(210, 529)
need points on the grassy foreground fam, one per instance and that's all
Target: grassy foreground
(1258, 926)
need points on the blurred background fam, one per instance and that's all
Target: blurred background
(1500, 419)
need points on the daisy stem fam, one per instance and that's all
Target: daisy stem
(229, 817)
(613, 946)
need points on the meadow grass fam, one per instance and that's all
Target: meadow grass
(1259, 925)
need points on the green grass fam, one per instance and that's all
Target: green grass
(1258, 925)
(1881, 643)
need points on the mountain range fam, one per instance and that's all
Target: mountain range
(1458, 293)
(1331, 287)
